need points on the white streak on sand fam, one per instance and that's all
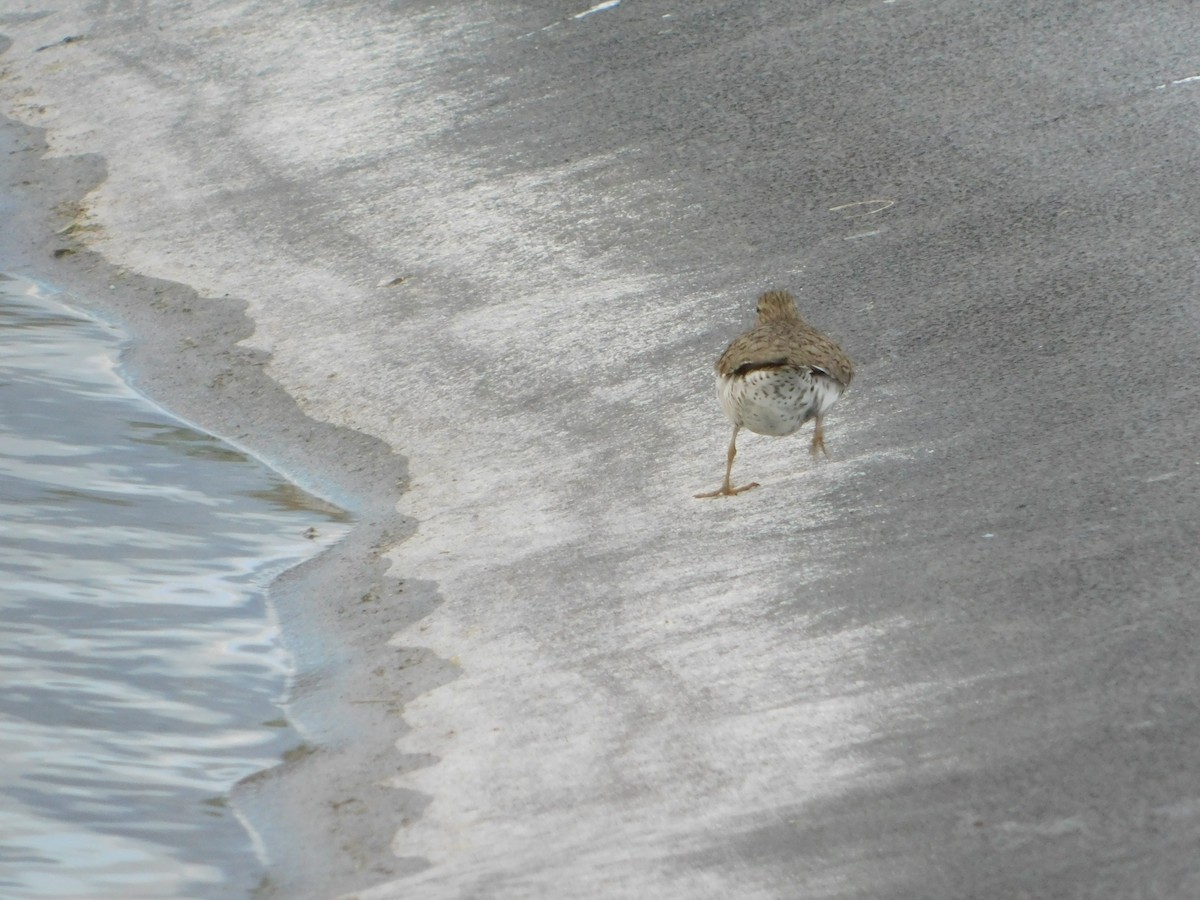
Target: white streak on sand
(599, 7)
(1168, 84)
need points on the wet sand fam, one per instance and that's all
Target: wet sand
(467, 267)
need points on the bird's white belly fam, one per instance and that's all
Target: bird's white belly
(828, 392)
(773, 401)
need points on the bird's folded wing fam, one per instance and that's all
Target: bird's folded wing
(772, 347)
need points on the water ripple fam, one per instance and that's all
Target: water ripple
(139, 658)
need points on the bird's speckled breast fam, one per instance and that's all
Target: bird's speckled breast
(776, 401)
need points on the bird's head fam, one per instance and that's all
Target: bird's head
(777, 306)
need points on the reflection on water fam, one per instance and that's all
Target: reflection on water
(139, 669)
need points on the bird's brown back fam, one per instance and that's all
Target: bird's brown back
(788, 343)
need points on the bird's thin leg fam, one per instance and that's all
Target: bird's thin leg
(727, 489)
(818, 441)
(727, 485)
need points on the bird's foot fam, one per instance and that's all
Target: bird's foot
(727, 490)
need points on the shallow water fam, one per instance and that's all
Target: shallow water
(141, 676)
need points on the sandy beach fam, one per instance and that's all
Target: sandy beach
(464, 268)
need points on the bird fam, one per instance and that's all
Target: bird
(776, 376)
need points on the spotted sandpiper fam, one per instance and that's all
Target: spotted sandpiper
(777, 376)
